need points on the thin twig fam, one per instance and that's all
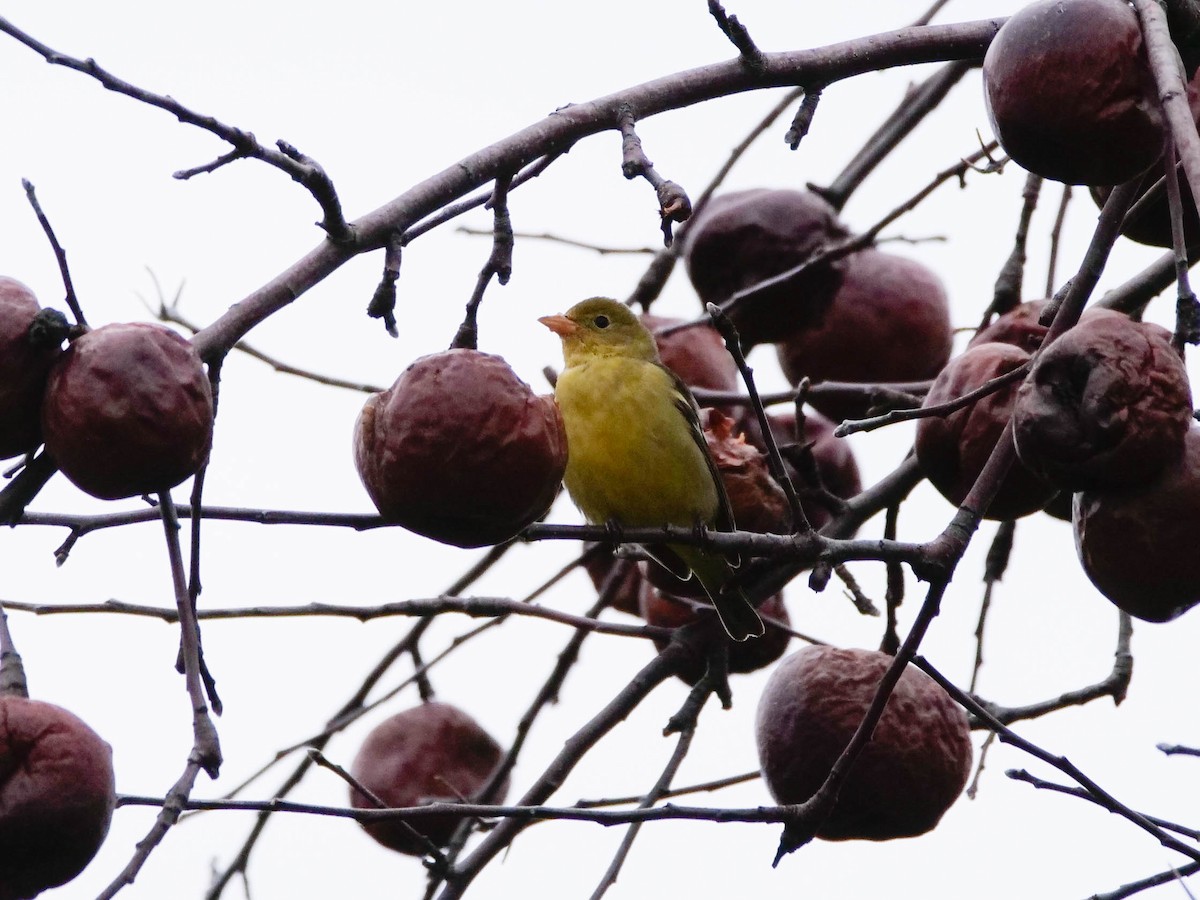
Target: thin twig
(1056, 238)
(1152, 881)
(685, 725)
(1178, 749)
(909, 113)
(803, 118)
(1187, 308)
(60, 254)
(1007, 293)
(170, 313)
(748, 51)
(383, 301)
(775, 464)
(205, 754)
(997, 561)
(12, 670)
(498, 265)
(938, 410)
(1043, 785)
(241, 859)
(706, 786)
(655, 277)
(673, 203)
(1101, 797)
(658, 670)
(598, 249)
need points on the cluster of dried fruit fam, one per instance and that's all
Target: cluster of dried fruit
(869, 318)
(1104, 414)
(123, 410)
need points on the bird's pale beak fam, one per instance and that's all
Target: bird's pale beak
(560, 325)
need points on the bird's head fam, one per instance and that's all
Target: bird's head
(601, 327)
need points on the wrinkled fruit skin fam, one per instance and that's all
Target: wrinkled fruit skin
(953, 449)
(1019, 327)
(756, 499)
(460, 450)
(434, 752)
(742, 238)
(57, 796)
(890, 321)
(1069, 92)
(697, 355)
(661, 609)
(1138, 545)
(128, 411)
(23, 371)
(910, 773)
(1106, 405)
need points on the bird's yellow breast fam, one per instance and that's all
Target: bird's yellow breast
(631, 454)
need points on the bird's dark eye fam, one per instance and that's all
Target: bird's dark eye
(600, 321)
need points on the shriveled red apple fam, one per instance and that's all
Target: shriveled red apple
(57, 796)
(1138, 544)
(460, 450)
(1105, 405)
(1019, 327)
(696, 354)
(24, 366)
(1070, 94)
(434, 752)
(954, 448)
(889, 322)
(911, 772)
(745, 237)
(128, 410)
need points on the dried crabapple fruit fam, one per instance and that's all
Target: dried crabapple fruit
(954, 448)
(696, 354)
(57, 796)
(1106, 405)
(434, 752)
(1020, 326)
(24, 367)
(1148, 220)
(1070, 94)
(742, 238)
(460, 450)
(889, 322)
(1138, 544)
(128, 410)
(912, 770)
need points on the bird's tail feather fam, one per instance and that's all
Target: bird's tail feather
(736, 612)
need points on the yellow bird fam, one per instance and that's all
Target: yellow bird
(636, 454)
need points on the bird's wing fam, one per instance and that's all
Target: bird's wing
(688, 408)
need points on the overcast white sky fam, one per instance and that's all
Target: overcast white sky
(384, 96)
